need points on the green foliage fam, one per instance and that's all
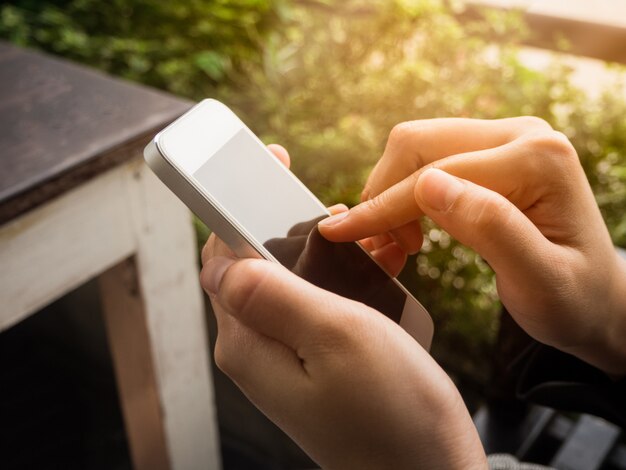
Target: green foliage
(598, 131)
(188, 47)
(344, 76)
(329, 79)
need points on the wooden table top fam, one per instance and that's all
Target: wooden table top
(62, 123)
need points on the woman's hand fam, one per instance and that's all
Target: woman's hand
(350, 386)
(514, 190)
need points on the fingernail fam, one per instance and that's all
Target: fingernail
(439, 189)
(334, 219)
(216, 267)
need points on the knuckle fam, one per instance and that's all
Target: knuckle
(553, 149)
(550, 142)
(533, 123)
(406, 137)
(560, 145)
(490, 214)
(229, 350)
(400, 132)
(221, 356)
(222, 353)
(242, 285)
(226, 358)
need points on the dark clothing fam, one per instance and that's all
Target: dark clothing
(561, 381)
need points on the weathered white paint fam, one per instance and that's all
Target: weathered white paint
(168, 279)
(126, 213)
(131, 349)
(57, 247)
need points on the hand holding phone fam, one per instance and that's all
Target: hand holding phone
(225, 174)
(351, 387)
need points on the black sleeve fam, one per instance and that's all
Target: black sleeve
(559, 380)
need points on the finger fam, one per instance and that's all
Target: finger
(391, 257)
(414, 144)
(483, 220)
(522, 170)
(215, 247)
(208, 249)
(338, 209)
(409, 237)
(247, 289)
(376, 242)
(381, 240)
(281, 153)
(368, 243)
(386, 252)
(389, 210)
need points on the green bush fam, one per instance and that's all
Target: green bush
(343, 76)
(189, 47)
(329, 79)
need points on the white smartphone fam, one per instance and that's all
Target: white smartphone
(233, 183)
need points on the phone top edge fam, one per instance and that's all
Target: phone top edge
(208, 107)
(164, 153)
(203, 206)
(232, 124)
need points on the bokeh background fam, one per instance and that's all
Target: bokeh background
(329, 79)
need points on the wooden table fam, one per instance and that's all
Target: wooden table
(77, 202)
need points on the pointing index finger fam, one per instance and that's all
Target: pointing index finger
(518, 170)
(391, 209)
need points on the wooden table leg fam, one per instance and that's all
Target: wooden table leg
(155, 318)
(131, 349)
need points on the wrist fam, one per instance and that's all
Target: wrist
(607, 351)
(460, 446)
(616, 331)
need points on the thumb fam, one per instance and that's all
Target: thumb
(481, 219)
(271, 300)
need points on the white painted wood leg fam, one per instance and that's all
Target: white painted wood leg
(171, 304)
(152, 303)
(131, 348)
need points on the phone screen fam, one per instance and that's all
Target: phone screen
(282, 215)
(253, 188)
